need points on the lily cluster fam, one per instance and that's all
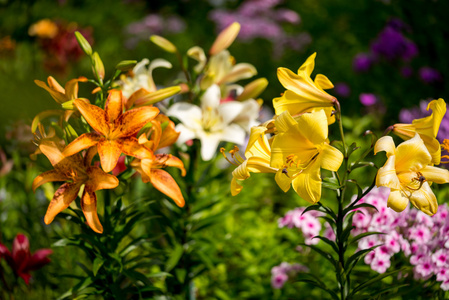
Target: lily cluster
(298, 147)
(217, 109)
(124, 124)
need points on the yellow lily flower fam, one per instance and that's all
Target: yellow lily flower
(302, 94)
(257, 155)
(150, 165)
(408, 174)
(300, 148)
(76, 171)
(114, 130)
(427, 128)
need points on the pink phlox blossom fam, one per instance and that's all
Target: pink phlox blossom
(420, 234)
(445, 285)
(392, 242)
(443, 274)
(280, 274)
(425, 267)
(440, 258)
(380, 263)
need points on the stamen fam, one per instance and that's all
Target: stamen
(420, 178)
(222, 150)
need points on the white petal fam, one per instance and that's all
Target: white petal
(228, 111)
(209, 144)
(140, 67)
(234, 134)
(185, 134)
(211, 98)
(186, 113)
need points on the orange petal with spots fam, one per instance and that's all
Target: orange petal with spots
(131, 147)
(89, 208)
(114, 105)
(95, 116)
(171, 161)
(109, 152)
(82, 142)
(61, 200)
(49, 176)
(133, 120)
(99, 180)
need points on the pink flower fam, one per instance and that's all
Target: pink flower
(21, 260)
(440, 258)
(443, 274)
(380, 263)
(424, 267)
(278, 280)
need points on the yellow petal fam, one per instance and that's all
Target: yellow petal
(58, 95)
(323, 82)
(109, 152)
(314, 126)
(386, 144)
(95, 116)
(114, 105)
(132, 121)
(165, 183)
(235, 187)
(434, 147)
(71, 87)
(308, 66)
(61, 200)
(429, 125)
(54, 85)
(386, 176)
(89, 208)
(82, 142)
(308, 183)
(49, 176)
(425, 200)
(397, 200)
(331, 158)
(283, 181)
(434, 174)
(412, 155)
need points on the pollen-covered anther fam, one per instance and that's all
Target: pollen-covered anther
(237, 159)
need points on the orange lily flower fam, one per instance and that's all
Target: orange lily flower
(76, 171)
(150, 166)
(114, 130)
(61, 96)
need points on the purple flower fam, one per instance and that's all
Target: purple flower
(362, 62)
(429, 75)
(368, 99)
(391, 44)
(280, 274)
(342, 89)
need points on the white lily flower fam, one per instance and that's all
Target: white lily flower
(213, 122)
(142, 76)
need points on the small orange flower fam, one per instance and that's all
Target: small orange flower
(162, 134)
(76, 171)
(114, 130)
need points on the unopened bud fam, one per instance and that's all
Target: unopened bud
(126, 65)
(253, 89)
(84, 44)
(98, 67)
(163, 43)
(157, 96)
(68, 105)
(225, 38)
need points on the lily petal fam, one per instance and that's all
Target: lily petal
(235, 187)
(171, 161)
(238, 72)
(186, 113)
(314, 126)
(211, 97)
(386, 144)
(424, 199)
(95, 116)
(99, 180)
(61, 200)
(89, 208)
(131, 147)
(82, 142)
(283, 181)
(114, 105)
(308, 183)
(165, 183)
(434, 174)
(133, 120)
(331, 158)
(109, 152)
(49, 176)
(386, 176)
(412, 155)
(397, 200)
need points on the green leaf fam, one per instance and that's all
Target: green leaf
(326, 255)
(353, 259)
(328, 241)
(331, 183)
(351, 148)
(137, 276)
(362, 235)
(374, 280)
(98, 262)
(181, 274)
(174, 257)
(317, 283)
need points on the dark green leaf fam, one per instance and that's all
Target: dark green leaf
(328, 241)
(174, 257)
(331, 183)
(369, 282)
(137, 276)
(96, 265)
(362, 235)
(326, 255)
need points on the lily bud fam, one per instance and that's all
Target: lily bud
(163, 43)
(225, 38)
(253, 89)
(157, 96)
(98, 67)
(68, 105)
(84, 44)
(126, 65)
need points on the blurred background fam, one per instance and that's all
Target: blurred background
(386, 58)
